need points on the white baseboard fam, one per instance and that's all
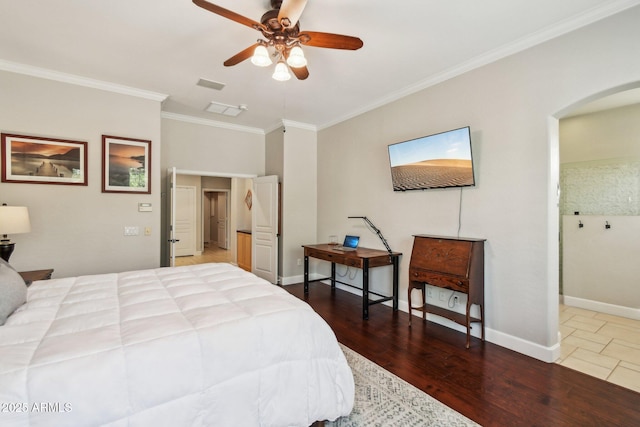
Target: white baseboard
(602, 307)
(292, 280)
(528, 348)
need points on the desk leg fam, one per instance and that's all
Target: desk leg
(306, 274)
(365, 289)
(333, 275)
(395, 283)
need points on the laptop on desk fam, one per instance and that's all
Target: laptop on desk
(350, 244)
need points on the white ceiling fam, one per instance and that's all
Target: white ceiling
(166, 46)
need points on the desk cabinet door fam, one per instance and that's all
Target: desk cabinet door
(244, 251)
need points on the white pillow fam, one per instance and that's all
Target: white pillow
(13, 291)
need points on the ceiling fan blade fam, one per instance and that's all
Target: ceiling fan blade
(301, 72)
(228, 14)
(291, 10)
(241, 56)
(332, 41)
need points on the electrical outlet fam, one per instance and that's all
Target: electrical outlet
(131, 231)
(430, 293)
(443, 296)
(299, 261)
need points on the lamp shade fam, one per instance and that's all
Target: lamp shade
(296, 58)
(281, 72)
(261, 57)
(14, 220)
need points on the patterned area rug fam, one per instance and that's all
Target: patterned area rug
(383, 399)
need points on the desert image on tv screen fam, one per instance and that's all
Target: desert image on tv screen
(436, 161)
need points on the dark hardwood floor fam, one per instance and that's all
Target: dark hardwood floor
(491, 385)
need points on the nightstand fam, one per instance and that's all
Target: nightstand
(31, 276)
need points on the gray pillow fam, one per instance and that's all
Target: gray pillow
(13, 291)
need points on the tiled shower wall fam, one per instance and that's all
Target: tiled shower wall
(610, 187)
(604, 187)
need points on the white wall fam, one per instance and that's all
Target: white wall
(206, 147)
(510, 106)
(299, 199)
(78, 229)
(598, 264)
(274, 165)
(292, 155)
(609, 134)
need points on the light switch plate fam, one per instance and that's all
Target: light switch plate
(144, 207)
(131, 231)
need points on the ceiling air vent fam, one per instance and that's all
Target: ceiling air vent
(211, 84)
(227, 110)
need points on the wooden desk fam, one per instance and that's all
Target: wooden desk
(363, 258)
(31, 276)
(455, 263)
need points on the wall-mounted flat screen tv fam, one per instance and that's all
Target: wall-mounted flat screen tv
(435, 161)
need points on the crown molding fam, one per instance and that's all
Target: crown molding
(563, 27)
(283, 124)
(299, 125)
(44, 73)
(209, 122)
(274, 127)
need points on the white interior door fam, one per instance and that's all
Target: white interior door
(223, 221)
(264, 228)
(171, 174)
(206, 216)
(185, 230)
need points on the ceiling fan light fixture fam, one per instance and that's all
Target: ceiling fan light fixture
(280, 29)
(296, 58)
(281, 72)
(261, 57)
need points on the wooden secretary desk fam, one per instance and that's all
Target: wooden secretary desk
(455, 263)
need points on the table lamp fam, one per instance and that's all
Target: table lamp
(13, 220)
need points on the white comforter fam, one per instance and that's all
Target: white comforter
(204, 345)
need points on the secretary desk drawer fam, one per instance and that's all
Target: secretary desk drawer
(440, 280)
(338, 258)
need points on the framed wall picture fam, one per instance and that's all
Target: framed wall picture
(248, 199)
(41, 160)
(126, 165)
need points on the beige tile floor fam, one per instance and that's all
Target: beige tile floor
(213, 254)
(601, 345)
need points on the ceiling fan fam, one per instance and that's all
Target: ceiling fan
(281, 29)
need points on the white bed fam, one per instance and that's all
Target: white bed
(203, 345)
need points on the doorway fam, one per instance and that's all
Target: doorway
(215, 228)
(215, 221)
(597, 335)
(234, 186)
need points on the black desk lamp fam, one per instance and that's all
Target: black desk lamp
(375, 230)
